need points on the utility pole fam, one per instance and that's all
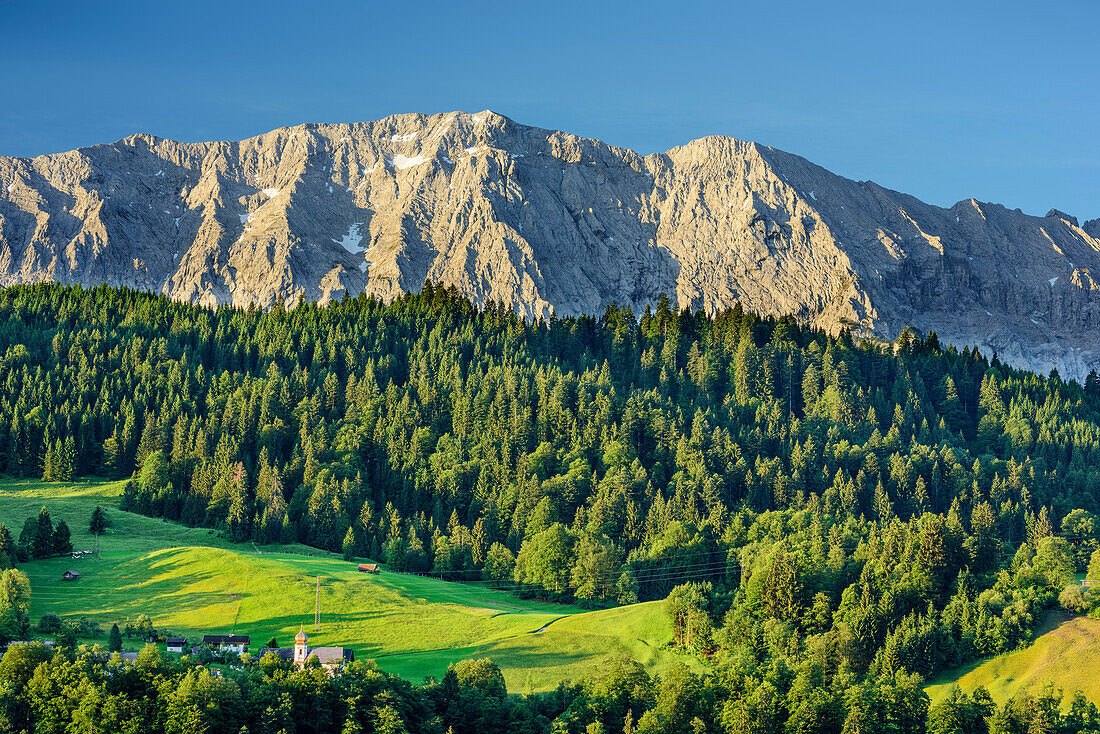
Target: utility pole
(317, 607)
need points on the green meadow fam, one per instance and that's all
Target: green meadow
(1066, 652)
(191, 581)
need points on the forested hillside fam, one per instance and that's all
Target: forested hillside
(848, 513)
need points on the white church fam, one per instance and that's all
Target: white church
(331, 659)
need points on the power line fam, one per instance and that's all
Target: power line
(90, 596)
(694, 555)
(480, 585)
(710, 556)
(503, 585)
(659, 574)
(639, 575)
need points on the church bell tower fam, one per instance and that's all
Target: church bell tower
(300, 649)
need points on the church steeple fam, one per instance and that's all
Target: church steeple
(300, 649)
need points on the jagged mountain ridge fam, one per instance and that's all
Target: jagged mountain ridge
(550, 223)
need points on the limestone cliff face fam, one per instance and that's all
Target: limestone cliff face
(550, 223)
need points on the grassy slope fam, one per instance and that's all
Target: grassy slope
(191, 581)
(1065, 652)
(565, 649)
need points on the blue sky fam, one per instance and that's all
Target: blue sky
(996, 100)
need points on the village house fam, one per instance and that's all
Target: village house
(227, 643)
(330, 658)
(176, 644)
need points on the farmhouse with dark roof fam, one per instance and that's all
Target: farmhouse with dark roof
(236, 643)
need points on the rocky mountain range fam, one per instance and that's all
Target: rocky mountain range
(550, 223)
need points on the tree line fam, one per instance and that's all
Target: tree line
(85, 690)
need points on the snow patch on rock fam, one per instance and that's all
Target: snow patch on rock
(351, 240)
(403, 161)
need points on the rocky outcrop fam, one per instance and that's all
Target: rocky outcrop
(550, 223)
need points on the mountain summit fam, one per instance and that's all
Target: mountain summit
(550, 223)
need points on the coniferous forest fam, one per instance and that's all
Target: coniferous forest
(832, 520)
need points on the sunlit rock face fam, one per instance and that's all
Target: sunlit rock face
(550, 223)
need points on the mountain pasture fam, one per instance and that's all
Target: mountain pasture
(1066, 653)
(191, 581)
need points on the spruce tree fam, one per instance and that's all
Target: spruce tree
(349, 545)
(7, 548)
(42, 542)
(99, 521)
(64, 467)
(62, 538)
(114, 639)
(49, 460)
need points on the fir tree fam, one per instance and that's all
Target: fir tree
(62, 539)
(42, 541)
(99, 521)
(349, 545)
(114, 639)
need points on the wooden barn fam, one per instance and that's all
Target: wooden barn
(368, 568)
(71, 575)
